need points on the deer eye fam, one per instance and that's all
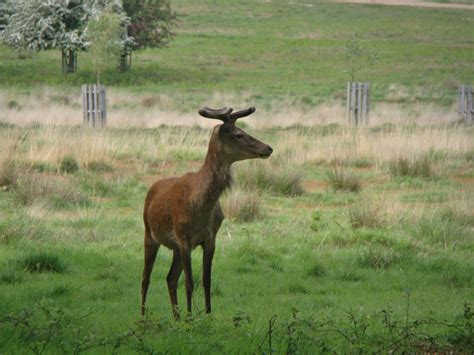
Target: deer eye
(239, 136)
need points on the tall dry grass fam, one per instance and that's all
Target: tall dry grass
(391, 134)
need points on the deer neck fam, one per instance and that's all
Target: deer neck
(216, 176)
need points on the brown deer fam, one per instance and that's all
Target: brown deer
(184, 212)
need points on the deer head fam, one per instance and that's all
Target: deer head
(231, 141)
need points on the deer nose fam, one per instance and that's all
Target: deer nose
(270, 148)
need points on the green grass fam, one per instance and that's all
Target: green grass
(268, 52)
(321, 269)
(319, 264)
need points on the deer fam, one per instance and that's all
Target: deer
(182, 213)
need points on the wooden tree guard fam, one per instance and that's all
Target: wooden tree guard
(358, 102)
(465, 106)
(94, 106)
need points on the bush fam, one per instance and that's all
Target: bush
(242, 205)
(340, 180)
(69, 165)
(42, 262)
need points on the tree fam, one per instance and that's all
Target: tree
(4, 14)
(358, 59)
(105, 35)
(150, 25)
(36, 25)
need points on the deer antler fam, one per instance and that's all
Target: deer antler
(224, 114)
(243, 113)
(219, 114)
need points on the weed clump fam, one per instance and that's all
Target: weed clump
(403, 167)
(340, 180)
(42, 262)
(69, 165)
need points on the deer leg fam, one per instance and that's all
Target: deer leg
(151, 249)
(185, 252)
(172, 280)
(207, 256)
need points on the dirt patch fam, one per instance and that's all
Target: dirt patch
(417, 3)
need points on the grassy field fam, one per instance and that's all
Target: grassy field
(345, 240)
(268, 51)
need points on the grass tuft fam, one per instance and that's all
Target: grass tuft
(42, 262)
(341, 180)
(419, 167)
(69, 165)
(377, 258)
(10, 276)
(282, 180)
(365, 215)
(242, 205)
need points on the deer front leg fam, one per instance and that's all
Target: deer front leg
(185, 252)
(172, 280)
(207, 256)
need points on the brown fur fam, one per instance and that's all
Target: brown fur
(184, 212)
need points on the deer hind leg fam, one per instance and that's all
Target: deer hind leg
(207, 256)
(185, 252)
(172, 280)
(151, 249)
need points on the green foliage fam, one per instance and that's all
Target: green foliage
(40, 261)
(151, 22)
(105, 34)
(358, 59)
(69, 165)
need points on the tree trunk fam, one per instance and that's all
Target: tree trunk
(69, 61)
(125, 61)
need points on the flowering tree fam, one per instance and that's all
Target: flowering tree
(36, 25)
